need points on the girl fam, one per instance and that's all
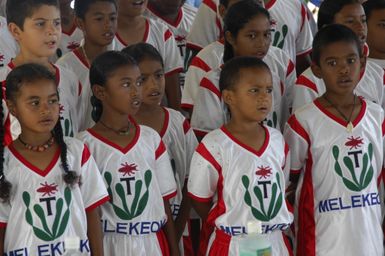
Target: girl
(336, 147)
(133, 161)
(171, 125)
(247, 33)
(134, 28)
(239, 171)
(371, 85)
(46, 202)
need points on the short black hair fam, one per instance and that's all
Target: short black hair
(329, 8)
(230, 73)
(18, 10)
(82, 6)
(101, 69)
(371, 5)
(332, 34)
(141, 51)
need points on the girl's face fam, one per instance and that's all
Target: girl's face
(253, 39)
(131, 8)
(36, 106)
(122, 91)
(353, 16)
(153, 81)
(251, 98)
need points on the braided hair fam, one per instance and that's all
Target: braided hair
(5, 185)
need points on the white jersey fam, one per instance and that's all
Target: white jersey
(337, 199)
(244, 185)
(69, 41)
(69, 89)
(371, 86)
(158, 35)
(44, 213)
(138, 178)
(8, 45)
(379, 62)
(292, 31)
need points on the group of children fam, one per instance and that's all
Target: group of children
(98, 159)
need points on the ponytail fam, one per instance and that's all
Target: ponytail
(5, 185)
(97, 108)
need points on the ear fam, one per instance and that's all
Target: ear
(11, 107)
(363, 60)
(15, 30)
(222, 10)
(316, 70)
(229, 38)
(227, 96)
(99, 91)
(79, 23)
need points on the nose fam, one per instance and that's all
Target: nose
(44, 108)
(344, 68)
(52, 28)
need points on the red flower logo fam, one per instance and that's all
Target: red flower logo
(128, 169)
(73, 45)
(354, 142)
(47, 189)
(263, 172)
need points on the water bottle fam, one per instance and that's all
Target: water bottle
(254, 243)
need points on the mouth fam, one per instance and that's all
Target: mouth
(51, 44)
(154, 94)
(138, 3)
(345, 81)
(46, 121)
(108, 35)
(260, 54)
(136, 103)
(263, 109)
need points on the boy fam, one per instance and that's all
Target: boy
(98, 20)
(134, 28)
(35, 25)
(375, 14)
(336, 145)
(8, 45)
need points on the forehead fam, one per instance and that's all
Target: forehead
(40, 88)
(125, 71)
(255, 76)
(377, 15)
(101, 7)
(45, 11)
(258, 23)
(350, 10)
(338, 49)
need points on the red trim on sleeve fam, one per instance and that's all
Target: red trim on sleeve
(167, 35)
(384, 77)
(297, 127)
(304, 81)
(193, 46)
(160, 150)
(98, 203)
(169, 196)
(80, 88)
(199, 199)
(205, 83)
(85, 155)
(187, 106)
(295, 171)
(3, 225)
(202, 150)
(383, 127)
(211, 4)
(186, 126)
(290, 68)
(200, 133)
(172, 72)
(199, 63)
(71, 31)
(269, 4)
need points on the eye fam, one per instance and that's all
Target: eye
(254, 90)
(159, 75)
(269, 90)
(57, 23)
(252, 36)
(331, 63)
(381, 24)
(113, 18)
(53, 101)
(34, 103)
(351, 60)
(267, 34)
(40, 24)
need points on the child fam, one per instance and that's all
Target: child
(375, 14)
(35, 24)
(292, 31)
(46, 202)
(134, 28)
(133, 161)
(8, 45)
(247, 33)
(336, 145)
(171, 125)
(239, 171)
(98, 20)
(211, 57)
(371, 86)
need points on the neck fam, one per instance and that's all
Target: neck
(147, 109)
(23, 58)
(168, 16)
(129, 22)
(115, 120)
(242, 127)
(92, 51)
(33, 138)
(340, 100)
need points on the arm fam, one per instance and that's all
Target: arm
(303, 61)
(169, 230)
(184, 213)
(202, 208)
(2, 237)
(94, 232)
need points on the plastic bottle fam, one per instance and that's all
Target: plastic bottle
(254, 243)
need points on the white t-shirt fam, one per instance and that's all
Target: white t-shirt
(244, 184)
(44, 212)
(337, 209)
(159, 36)
(69, 41)
(379, 62)
(8, 45)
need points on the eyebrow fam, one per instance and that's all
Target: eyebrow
(102, 13)
(349, 55)
(38, 97)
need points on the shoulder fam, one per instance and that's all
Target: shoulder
(148, 134)
(189, 10)
(67, 60)
(372, 108)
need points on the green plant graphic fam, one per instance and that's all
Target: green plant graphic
(366, 173)
(274, 121)
(138, 205)
(275, 201)
(279, 40)
(60, 221)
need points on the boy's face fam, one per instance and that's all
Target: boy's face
(353, 16)
(339, 67)
(100, 23)
(153, 81)
(167, 7)
(131, 8)
(376, 33)
(40, 34)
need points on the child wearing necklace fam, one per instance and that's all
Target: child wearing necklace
(50, 188)
(133, 162)
(336, 145)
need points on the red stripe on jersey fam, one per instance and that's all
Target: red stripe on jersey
(186, 126)
(169, 196)
(289, 206)
(202, 150)
(282, 87)
(287, 244)
(306, 223)
(3, 225)
(187, 106)
(270, 4)
(85, 155)
(163, 244)
(71, 31)
(199, 133)
(303, 80)
(165, 123)
(81, 58)
(384, 77)
(286, 151)
(383, 127)
(219, 26)
(290, 68)
(199, 199)
(80, 87)
(221, 244)
(199, 63)
(193, 46)
(297, 127)
(303, 16)
(160, 150)
(205, 83)
(211, 4)
(167, 35)
(98, 203)
(174, 71)
(7, 131)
